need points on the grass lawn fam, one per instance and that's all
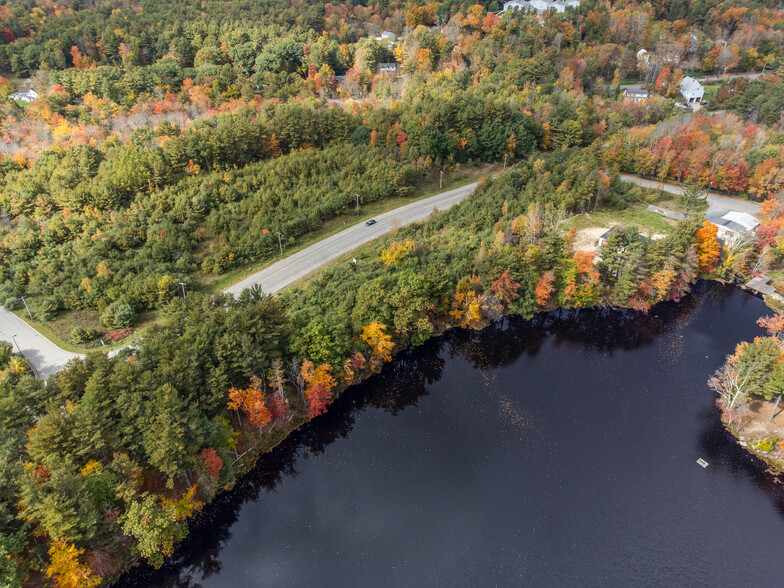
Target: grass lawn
(636, 215)
(58, 329)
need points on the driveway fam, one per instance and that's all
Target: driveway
(293, 268)
(45, 357)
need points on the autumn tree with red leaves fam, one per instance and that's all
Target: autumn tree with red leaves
(352, 366)
(319, 382)
(505, 288)
(212, 461)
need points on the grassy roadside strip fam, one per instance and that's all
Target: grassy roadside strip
(48, 332)
(455, 179)
(55, 337)
(212, 284)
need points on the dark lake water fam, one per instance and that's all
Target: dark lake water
(555, 453)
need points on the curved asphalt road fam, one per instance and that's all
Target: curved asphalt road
(46, 357)
(293, 268)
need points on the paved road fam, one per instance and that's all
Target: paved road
(726, 77)
(715, 200)
(285, 272)
(46, 357)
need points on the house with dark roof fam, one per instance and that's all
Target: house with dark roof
(390, 68)
(636, 94)
(24, 94)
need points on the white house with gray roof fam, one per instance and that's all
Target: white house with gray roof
(24, 94)
(732, 225)
(691, 89)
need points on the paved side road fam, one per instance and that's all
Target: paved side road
(724, 78)
(46, 357)
(715, 200)
(285, 272)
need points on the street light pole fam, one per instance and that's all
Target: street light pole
(441, 180)
(280, 243)
(17, 345)
(182, 285)
(27, 308)
(357, 195)
(505, 156)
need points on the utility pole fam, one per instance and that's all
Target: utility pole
(441, 180)
(182, 285)
(357, 195)
(505, 156)
(27, 308)
(280, 243)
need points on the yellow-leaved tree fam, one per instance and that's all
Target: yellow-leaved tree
(380, 343)
(397, 252)
(65, 568)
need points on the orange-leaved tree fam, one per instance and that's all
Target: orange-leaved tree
(468, 302)
(251, 401)
(662, 281)
(545, 287)
(708, 247)
(774, 325)
(583, 282)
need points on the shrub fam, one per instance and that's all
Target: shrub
(124, 316)
(5, 354)
(118, 316)
(107, 317)
(82, 335)
(118, 334)
(766, 445)
(45, 310)
(13, 304)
